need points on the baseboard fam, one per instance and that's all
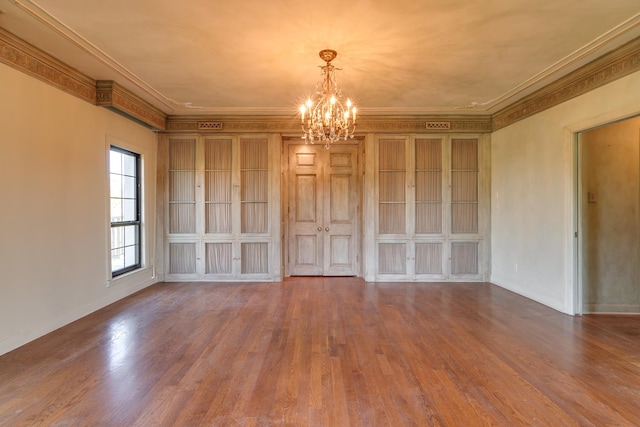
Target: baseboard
(558, 306)
(612, 309)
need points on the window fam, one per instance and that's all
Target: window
(124, 176)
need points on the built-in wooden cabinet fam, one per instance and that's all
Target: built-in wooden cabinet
(432, 218)
(222, 212)
(388, 207)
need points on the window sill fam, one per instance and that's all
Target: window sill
(134, 277)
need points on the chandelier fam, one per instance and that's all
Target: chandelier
(325, 119)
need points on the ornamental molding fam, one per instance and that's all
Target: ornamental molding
(28, 59)
(606, 69)
(378, 124)
(111, 95)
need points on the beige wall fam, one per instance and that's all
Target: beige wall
(53, 193)
(609, 212)
(533, 249)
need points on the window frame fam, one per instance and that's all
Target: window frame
(137, 222)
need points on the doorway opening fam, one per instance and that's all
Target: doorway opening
(322, 198)
(608, 216)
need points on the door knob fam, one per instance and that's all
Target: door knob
(326, 229)
(319, 228)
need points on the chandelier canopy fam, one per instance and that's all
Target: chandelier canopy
(325, 118)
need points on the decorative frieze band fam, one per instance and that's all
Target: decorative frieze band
(380, 124)
(111, 94)
(607, 68)
(26, 58)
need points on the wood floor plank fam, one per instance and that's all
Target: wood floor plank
(327, 352)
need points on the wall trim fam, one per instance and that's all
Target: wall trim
(111, 95)
(30, 60)
(291, 124)
(607, 68)
(527, 293)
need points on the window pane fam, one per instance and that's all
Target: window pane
(117, 237)
(129, 165)
(129, 210)
(116, 185)
(117, 259)
(129, 187)
(116, 210)
(130, 235)
(115, 162)
(130, 256)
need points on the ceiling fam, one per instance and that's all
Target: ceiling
(261, 57)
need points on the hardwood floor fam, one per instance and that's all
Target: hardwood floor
(327, 352)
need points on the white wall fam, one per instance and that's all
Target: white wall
(533, 179)
(53, 207)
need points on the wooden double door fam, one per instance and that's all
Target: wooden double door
(323, 209)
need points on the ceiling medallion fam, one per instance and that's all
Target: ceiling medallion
(325, 118)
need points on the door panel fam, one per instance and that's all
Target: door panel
(305, 211)
(323, 203)
(340, 211)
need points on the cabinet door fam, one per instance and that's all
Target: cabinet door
(429, 246)
(182, 186)
(465, 191)
(393, 251)
(182, 245)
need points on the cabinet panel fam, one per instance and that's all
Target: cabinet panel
(392, 258)
(255, 258)
(429, 258)
(464, 258)
(183, 258)
(218, 258)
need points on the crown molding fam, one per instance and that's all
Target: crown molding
(606, 69)
(30, 60)
(288, 124)
(38, 13)
(111, 95)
